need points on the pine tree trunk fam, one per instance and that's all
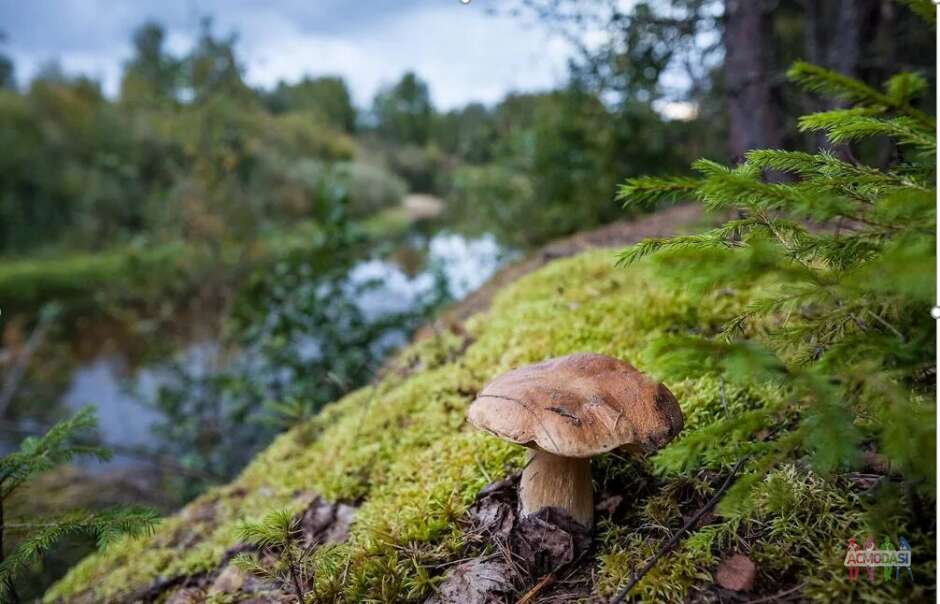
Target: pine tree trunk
(839, 36)
(753, 109)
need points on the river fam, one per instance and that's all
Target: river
(121, 393)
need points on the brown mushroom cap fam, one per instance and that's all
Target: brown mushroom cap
(578, 405)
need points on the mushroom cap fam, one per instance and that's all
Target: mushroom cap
(578, 405)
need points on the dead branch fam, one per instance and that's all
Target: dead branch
(20, 362)
(675, 538)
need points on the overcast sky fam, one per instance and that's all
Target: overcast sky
(465, 54)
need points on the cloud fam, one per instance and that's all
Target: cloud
(464, 54)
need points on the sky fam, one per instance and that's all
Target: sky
(464, 53)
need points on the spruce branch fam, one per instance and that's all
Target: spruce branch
(648, 191)
(277, 533)
(925, 9)
(836, 85)
(837, 336)
(57, 446)
(842, 126)
(105, 527)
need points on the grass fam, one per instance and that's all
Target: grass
(403, 450)
(27, 284)
(134, 274)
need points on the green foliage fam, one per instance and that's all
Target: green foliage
(369, 189)
(325, 99)
(188, 152)
(304, 340)
(39, 454)
(403, 112)
(277, 536)
(842, 329)
(34, 537)
(556, 160)
(925, 9)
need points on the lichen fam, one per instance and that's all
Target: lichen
(401, 448)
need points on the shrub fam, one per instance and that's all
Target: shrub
(368, 188)
(494, 198)
(842, 329)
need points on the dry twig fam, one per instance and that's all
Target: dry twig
(675, 538)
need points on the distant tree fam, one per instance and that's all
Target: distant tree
(468, 132)
(213, 68)
(49, 72)
(6, 68)
(151, 74)
(555, 163)
(734, 52)
(644, 43)
(327, 96)
(403, 112)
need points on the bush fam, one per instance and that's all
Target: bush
(423, 168)
(368, 188)
(842, 328)
(495, 198)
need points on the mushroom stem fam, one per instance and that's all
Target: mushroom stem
(561, 482)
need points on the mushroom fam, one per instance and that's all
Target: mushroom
(567, 410)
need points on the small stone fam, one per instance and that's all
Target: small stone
(609, 504)
(229, 581)
(186, 596)
(737, 573)
(325, 522)
(876, 462)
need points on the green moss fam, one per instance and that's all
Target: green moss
(403, 449)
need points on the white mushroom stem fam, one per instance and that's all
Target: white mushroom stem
(562, 482)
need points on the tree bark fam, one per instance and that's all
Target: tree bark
(753, 109)
(840, 35)
(838, 32)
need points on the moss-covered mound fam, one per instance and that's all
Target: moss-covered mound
(403, 452)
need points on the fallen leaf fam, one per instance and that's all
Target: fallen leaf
(475, 582)
(737, 573)
(548, 540)
(493, 514)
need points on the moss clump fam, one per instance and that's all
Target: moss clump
(402, 448)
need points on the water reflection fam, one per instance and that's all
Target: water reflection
(460, 264)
